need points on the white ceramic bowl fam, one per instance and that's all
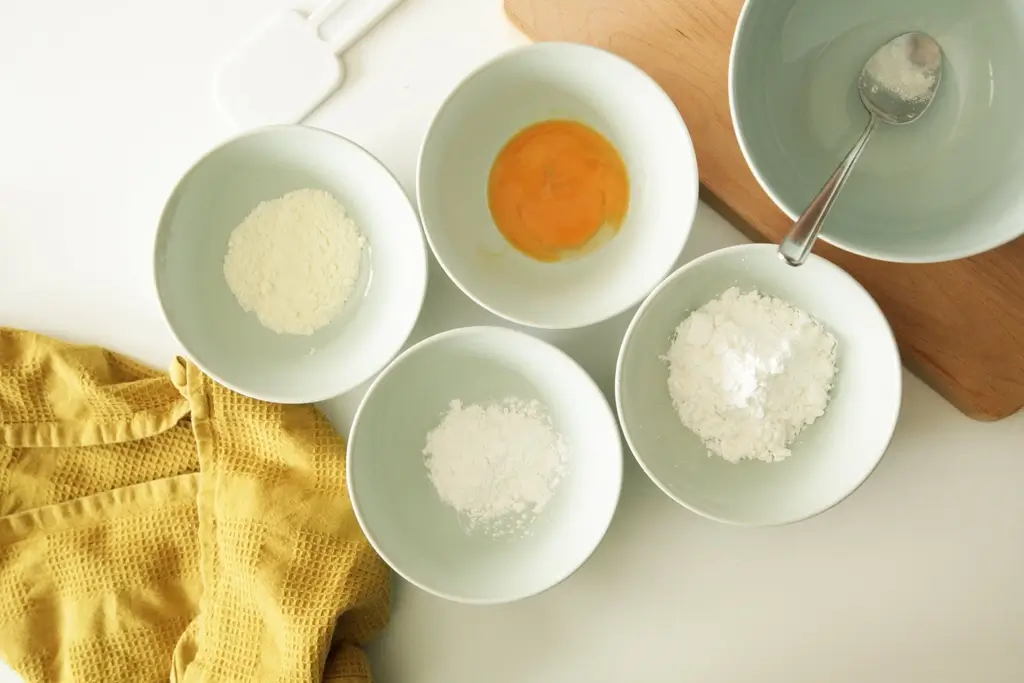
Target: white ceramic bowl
(397, 506)
(231, 345)
(557, 81)
(830, 459)
(944, 188)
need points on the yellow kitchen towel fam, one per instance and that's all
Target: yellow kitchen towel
(158, 528)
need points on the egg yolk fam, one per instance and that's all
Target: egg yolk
(558, 189)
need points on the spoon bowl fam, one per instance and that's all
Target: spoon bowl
(897, 85)
(899, 82)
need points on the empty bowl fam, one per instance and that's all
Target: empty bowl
(425, 540)
(830, 459)
(944, 187)
(231, 345)
(542, 82)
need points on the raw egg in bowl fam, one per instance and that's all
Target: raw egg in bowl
(557, 185)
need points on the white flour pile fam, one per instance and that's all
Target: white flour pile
(498, 465)
(294, 261)
(748, 373)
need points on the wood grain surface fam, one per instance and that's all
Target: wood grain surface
(960, 324)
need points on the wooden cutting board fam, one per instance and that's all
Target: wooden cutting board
(960, 325)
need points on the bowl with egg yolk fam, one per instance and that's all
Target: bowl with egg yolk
(557, 185)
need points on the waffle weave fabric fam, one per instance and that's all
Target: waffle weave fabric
(161, 527)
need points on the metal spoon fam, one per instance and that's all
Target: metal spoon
(896, 86)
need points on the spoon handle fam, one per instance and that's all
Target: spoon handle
(795, 249)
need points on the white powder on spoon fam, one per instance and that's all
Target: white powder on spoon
(894, 69)
(748, 373)
(497, 465)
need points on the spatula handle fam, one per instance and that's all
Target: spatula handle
(357, 17)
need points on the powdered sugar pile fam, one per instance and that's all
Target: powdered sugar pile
(497, 465)
(748, 373)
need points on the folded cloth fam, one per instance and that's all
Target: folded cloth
(156, 528)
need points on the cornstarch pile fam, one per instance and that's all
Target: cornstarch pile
(748, 373)
(498, 465)
(294, 261)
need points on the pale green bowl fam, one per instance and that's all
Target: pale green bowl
(830, 459)
(231, 345)
(945, 187)
(405, 520)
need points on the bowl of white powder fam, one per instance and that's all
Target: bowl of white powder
(290, 264)
(755, 393)
(484, 465)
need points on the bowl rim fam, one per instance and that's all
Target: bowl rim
(933, 256)
(417, 288)
(678, 274)
(656, 274)
(517, 337)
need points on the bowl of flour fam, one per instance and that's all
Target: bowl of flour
(484, 465)
(290, 264)
(754, 393)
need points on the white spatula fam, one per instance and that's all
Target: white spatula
(286, 69)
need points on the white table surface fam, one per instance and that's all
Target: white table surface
(916, 577)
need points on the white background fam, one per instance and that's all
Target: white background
(916, 577)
